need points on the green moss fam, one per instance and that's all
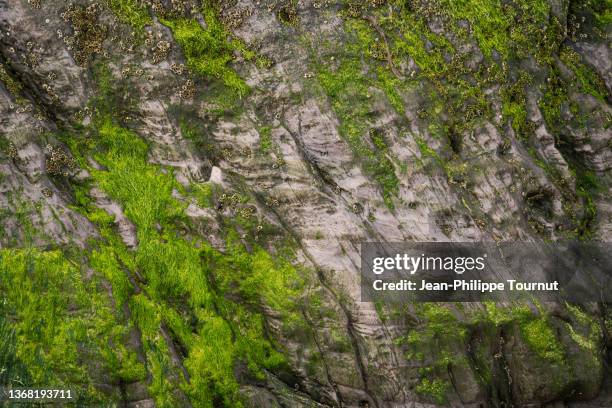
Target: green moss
(457, 171)
(514, 102)
(553, 100)
(435, 389)
(488, 22)
(586, 332)
(494, 23)
(435, 343)
(588, 342)
(223, 102)
(448, 89)
(13, 86)
(555, 106)
(603, 13)
(553, 103)
(350, 97)
(535, 330)
(132, 12)
(114, 96)
(589, 81)
(183, 281)
(203, 193)
(539, 336)
(440, 320)
(265, 139)
(66, 332)
(391, 85)
(597, 13)
(428, 152)
(410, 36)
(209, 50)
(14, 372)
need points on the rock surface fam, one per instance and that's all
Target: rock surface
(381, 121)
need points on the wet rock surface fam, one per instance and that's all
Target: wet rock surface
(326, 124)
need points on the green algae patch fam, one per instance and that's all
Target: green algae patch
(435, 389)
(535, 330)
(132, 12)
(63, 324)
(442, 333)
(586, 333)
(184, 290)
(14, 371)
(589, 81)
(540, 337)
(209, 50)
(349, 94)
(265, 139)
(494, 23)
(411, 38)
(349, 91)
(514, 103)
(13, 86)
(436, 344)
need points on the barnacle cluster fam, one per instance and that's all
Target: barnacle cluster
(11, 151)
(47, 192)
(173, 8)
(235, 17)
(32, 60)
(237, 204)
(246, 212)
(81, 114)
(287, 13)
(318, 4)
(187, 90)
(9, 82)
(378, 52)
(58, 162)
(227, 153)
(356, 8)
(26, 108)
(160, 51)
(178, 69)
(272, 202)
(133, 70)
(53, 97)
(88, 33)
(279, 161)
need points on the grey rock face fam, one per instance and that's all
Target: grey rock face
(313, 185)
